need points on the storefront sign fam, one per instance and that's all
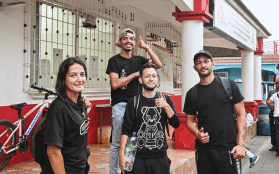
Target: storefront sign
(229, 24)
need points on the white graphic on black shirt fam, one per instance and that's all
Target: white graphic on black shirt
(84, 127)
(150, 134)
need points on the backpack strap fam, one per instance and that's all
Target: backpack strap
(136, 103)
(167, 125)
(226, 85)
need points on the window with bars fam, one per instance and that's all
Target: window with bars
(55, 31)
(221, 73)
(167, 37)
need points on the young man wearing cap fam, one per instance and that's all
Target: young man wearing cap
(273, 104)
(216, 143)
(123, 70)
(271, 118)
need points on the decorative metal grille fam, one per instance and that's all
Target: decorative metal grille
(58, 29)
(167, 36)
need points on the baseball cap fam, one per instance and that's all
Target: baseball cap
(276, 80)
(127, 31)
(202, 52)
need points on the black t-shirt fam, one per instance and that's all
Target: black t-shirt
(215, 113)
(149, 124)
(67, 128)
(131, 65)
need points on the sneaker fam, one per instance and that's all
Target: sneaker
(272, 148)
(277, 155)
(253, 161)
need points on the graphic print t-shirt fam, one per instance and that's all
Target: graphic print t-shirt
(67, 128)
(149, 125)
(131, 65)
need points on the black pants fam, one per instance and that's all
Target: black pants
(151, 166)
(272, 128)
(214, 161)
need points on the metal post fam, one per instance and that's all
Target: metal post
(101, 126)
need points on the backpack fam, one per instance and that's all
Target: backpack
(136, 106)
(40, 148)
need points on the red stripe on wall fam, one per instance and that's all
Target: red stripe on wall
(11, 114)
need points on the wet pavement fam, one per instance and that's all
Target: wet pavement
(268, 163)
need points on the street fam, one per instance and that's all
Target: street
(268, 163)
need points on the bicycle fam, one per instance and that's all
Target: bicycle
(8, 130)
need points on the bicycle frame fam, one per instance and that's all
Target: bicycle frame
(18, 124)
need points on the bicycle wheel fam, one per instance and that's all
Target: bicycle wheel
(6, 129)
(37, 128)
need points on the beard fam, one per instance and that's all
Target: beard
(127, 49)
(147, 87)
(206, 74)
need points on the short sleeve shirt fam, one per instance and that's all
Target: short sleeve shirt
(215, 113)
(131, 65)
(67, 128)
(274, 98)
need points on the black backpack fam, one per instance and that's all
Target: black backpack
(40, 148)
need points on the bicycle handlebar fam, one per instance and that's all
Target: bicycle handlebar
(40, 89)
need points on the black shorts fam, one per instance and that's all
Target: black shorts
(212, 161)
(159, 165)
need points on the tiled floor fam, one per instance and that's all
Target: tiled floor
(183, 161)
(99, 160)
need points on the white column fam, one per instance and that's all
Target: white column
(257, 77)
(192, 42)
(247, 75)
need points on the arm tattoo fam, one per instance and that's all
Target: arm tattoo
(244, 128)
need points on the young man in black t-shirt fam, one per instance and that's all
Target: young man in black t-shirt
(149, 123)
(123, 70)
(216, 143)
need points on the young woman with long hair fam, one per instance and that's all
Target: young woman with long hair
(67, 122)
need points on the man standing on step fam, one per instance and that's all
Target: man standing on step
(123, 70)
(271, 118)
(273, 103)
(148, 114)
(216, 144)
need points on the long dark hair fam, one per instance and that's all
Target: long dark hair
(61, 77)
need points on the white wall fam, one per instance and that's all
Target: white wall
(12, 56)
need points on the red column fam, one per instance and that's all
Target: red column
(184, 139)
(200, 12)
(260, 52)
(274, 47)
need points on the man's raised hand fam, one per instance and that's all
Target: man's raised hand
(141, 44)
(203, 137)
(160, 102)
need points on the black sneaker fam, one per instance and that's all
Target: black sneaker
(272, 148)
(253, 161)
(277, 155)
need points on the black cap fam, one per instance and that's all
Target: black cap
(202, 52)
